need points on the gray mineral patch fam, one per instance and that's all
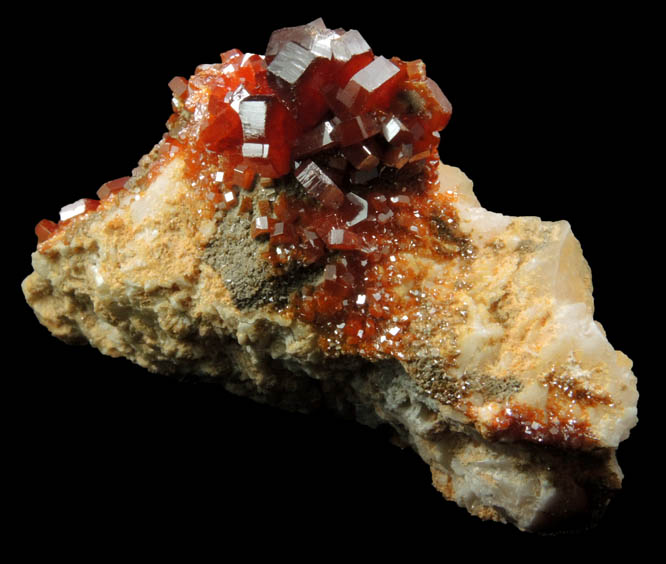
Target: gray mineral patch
(249, 276)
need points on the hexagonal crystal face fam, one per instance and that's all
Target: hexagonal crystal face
(71, 210)
(253, 111)
(349, 45)
(291, 62)
(319, 185)
(377, 73)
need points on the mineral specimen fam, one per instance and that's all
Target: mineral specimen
(294, 237)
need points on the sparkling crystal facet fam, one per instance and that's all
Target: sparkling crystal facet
(396, 132)
(253, 112)
(363, 156)
(77, 208)
(319, 185)
(362, 214)
(348, 45)
(315, 140)
(343, 239)
(291, 62)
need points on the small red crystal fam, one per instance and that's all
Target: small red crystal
(416, 70)
(291, 62)
(343, 239)
(44, 229)
(264, 207)
(262, 225)
(243, 176)
(396, 132)
(378, 202)
(307, 310)
(397, 157)
(440, 105)
(350, 68)
(229, 198)
(319, 185)
(111, 187)
(373, 86)
(79, 207)
(365, 155)
(221, 128)
(310, 88)
(315, 140)
(283, 209)
(178, 86)
(312, 247)
(283, 234)
(354, 328)
(356, 129)
(245, 205)
(232, 56)
(349, 45)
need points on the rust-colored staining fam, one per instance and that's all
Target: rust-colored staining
(569, 389)
(564, 420)
(549, 427)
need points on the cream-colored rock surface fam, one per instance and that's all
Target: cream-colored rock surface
(513, 395)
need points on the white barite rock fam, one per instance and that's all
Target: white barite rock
(531, 367)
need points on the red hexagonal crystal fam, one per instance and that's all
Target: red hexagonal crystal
(79, 207)
(243, 176)
(262, 225)
(111, 187)
(365, 155)
(268, 130)
(221, 128)
(44, 229)
(343, 239)
(283, 234)
(356, 130)
(319, 185)
(373, 86)
(315, 140)
(178, 86)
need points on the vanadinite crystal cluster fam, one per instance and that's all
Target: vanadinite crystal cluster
(347, 140)
(295, 237)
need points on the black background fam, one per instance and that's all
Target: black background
(545, 122)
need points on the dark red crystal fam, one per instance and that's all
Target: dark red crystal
(343, 239)
(262, 225)
(222, 128)
(356, 129)
(319, 185)
(268, 130)
(365, 155)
